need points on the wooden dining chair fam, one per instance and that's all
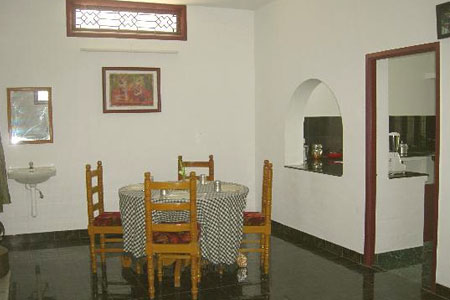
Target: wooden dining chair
(176, 241)
(197, 164)
(106, 225)
(260, 222)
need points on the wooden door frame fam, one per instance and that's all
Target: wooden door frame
(371, 163)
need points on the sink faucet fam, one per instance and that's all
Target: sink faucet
(31, 165)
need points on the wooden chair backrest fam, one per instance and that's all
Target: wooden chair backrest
(92, 190)
(191, 206)
(197, 164)
(267, 191)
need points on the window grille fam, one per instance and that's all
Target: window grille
(122, 19)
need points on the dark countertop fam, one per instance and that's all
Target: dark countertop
(323, 166)
(419, 153)
(405, 174)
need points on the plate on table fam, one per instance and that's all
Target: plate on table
(176, 194)
(135, 187)
(230, 187)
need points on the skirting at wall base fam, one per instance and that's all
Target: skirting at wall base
(399, 258)
(418, 258)
(301, 238)
(442, 291)
(71, 237)
(46, 239)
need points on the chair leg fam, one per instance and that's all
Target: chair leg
(94, 286)
(150, 277)
(102, 247)
(93, 255)
(266, 253)
(177, 272)
(199, 270)
(262, 242)
(139, 267)
(194, 277)
(104, 279)
(160, 267)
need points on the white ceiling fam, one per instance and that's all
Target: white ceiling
(239, 4)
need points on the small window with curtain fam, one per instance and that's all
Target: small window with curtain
(122, 19)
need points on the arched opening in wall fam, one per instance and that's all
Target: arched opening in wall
(313, 130)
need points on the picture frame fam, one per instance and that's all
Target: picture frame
(131, 90)
(443, 20)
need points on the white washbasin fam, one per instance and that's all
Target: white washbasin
(33, 175)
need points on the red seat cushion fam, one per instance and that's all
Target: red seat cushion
(181, 237)
(111, 218)
(252, 218)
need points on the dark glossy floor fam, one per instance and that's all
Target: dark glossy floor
(63, 273)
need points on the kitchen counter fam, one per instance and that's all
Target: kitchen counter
(405, 174)
(420, 162)
(324, 166)
(418, 153)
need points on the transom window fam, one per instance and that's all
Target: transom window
(121, 19)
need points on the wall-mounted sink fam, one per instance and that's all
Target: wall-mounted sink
(31, 175)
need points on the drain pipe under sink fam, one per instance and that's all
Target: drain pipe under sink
(33, 190)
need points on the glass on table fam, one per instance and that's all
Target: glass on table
(202, 179)
(217, 186)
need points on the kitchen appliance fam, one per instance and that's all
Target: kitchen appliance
(395, 163)
(394, 141)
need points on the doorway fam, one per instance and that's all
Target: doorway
(372, 60)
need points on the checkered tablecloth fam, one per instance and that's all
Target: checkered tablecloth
(220, 215)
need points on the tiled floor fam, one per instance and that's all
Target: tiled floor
(4, 286)
(63, 273)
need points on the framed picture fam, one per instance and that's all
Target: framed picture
(443, 20)
(131, 90)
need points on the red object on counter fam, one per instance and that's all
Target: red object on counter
(334, 155)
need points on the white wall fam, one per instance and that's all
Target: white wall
(399, 215)
(322, 103)
(412, 86)
(443, 263)
(328, 40)
(207, 92)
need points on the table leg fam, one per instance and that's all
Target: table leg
(139, 267)
(126, 261)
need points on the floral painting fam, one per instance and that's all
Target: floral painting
(131, 90)
(443, 20)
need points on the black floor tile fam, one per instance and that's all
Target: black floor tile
(62, 270)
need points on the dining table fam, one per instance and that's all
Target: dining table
(219, 213)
